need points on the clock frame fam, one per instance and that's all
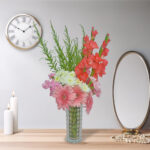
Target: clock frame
(32, 19)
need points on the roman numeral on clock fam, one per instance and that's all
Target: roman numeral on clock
(34, 37)
(11, 31)
(17, 20)
(23, 19)
(23, 44)
(17, 42)
(12, 37)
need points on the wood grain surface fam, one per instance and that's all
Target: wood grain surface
(54, 139)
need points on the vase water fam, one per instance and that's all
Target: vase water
(74, 124)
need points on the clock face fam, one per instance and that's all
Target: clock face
(21, 32)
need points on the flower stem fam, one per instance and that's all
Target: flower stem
(74, 120)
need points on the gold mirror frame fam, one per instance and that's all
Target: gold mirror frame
(127, 130)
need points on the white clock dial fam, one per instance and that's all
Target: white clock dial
(21, 32)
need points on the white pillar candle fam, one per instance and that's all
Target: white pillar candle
(14, 109)
(8, 122)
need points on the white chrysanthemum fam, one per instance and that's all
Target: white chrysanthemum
(59, 75)
(84, 87)
(78, 82)
(72, 74)
(65, 77)
(69, 78)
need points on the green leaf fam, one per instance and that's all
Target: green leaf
(48, 56)
(59, 50)
(100, 51)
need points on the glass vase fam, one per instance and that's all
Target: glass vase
(74, 124)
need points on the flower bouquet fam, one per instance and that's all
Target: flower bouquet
(74, 77)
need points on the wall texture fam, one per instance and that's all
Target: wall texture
(129, 26)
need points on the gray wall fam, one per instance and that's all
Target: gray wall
(129, 26)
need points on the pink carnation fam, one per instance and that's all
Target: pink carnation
(53, 86)
(96, 90)
(51, 75)
(46, 84)
(89, 102)
(80, 96)
(64, 96)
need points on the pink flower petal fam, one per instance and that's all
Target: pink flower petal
(46, 84)
(89, 103)
(64, 96)
(80, 96)
(51, 75)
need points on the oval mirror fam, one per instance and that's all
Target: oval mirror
(131, 89)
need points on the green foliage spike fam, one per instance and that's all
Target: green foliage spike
(101, 48)
(68, 57)
(106, 38)
(100, 51)
(83, 34)
(51, 61)
(59, 50)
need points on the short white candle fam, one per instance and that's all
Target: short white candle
(14, 109)
(8, 121)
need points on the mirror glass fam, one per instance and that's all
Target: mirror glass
(131, 90)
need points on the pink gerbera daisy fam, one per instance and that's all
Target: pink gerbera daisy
(80, 96)
(89, 102)
(64, 97)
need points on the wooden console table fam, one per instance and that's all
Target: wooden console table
(50, 139)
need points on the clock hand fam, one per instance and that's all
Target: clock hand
(28, 28)
(16, 27)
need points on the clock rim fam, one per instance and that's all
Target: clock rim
(6, 32)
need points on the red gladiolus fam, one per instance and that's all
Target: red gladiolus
(95, 75)
(105, 42)
(105, 62)
(97, 58)
(90, 45)
(86, 52)
(82, 70)
(90, 59)
(105, 52)
(86, 39)
(91, 62)
(101, 68)
(94, 32)
(84, 64)
(83, 76)
(78, 71)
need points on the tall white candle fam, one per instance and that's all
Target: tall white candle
(8, 121)
(14, 109)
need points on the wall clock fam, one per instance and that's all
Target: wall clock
(21, 33)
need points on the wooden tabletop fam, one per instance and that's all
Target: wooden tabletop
(54, 139)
